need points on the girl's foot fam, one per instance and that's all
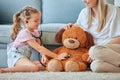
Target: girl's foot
(40, 65)
(1, 71)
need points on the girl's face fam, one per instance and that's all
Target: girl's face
(90, 3)
(33, 22)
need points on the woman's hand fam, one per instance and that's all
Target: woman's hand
(68, 26)
(62, 56)
(115, 41)
(89, 60)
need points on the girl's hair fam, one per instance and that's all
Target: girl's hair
(18, 18)
(101, 15)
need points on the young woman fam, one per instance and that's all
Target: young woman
(103, 22)
(25, 37)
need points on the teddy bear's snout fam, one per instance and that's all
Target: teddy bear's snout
(71, 43)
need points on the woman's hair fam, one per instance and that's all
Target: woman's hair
(101, 15)
(18, 18)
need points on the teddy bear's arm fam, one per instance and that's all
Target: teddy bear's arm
(57, 50)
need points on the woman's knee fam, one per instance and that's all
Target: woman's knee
(96, 51)
(96, 66)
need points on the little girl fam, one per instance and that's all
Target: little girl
(19, 51)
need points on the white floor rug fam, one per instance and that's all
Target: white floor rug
(88, 75)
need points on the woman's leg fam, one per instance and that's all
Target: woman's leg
(109, 53)
(101, 66)
(22, 65)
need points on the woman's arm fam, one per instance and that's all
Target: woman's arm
(115, 41)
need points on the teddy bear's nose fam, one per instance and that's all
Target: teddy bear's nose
(71, 41)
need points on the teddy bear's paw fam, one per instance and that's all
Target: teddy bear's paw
(54, 66)
(82, 66)
(71, 66)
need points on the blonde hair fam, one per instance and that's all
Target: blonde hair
(18, 18)
(102, 11)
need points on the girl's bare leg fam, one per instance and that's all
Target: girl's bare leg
(40, 66)
(22, 65)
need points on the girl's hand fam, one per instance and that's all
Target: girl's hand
(62, 56)
(89, 60)
(68, 26)
(44, 59)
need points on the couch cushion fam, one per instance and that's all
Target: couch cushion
(49, 31)
(3, 58)
(61, 11)
(3, 46)
(5, 33)
(9, 7)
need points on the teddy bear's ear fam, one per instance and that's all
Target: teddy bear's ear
(58, 36)
(90, 41)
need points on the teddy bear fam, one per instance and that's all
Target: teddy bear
(76, 42)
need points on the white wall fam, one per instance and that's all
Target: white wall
(110, 1)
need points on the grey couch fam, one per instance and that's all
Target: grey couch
(55, 14)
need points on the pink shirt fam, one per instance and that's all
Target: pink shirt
(23, 36)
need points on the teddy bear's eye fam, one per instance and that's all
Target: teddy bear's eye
(76, 38)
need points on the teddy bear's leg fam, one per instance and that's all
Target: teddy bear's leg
(54, 65)
(71, 66)
(82, 66)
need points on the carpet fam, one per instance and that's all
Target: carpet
(44, 75)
